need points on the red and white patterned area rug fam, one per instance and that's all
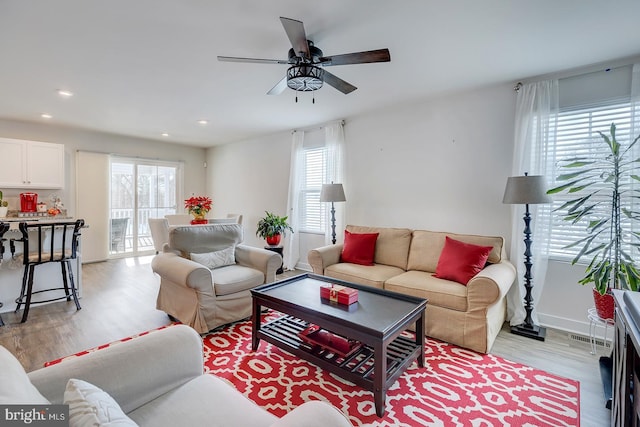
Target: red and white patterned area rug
(457, 387)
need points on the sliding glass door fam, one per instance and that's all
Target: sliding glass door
(140, 189)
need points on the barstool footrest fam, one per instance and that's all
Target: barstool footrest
(21, 301)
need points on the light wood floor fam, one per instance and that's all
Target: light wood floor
(119, 300)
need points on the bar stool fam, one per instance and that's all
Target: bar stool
(61, 247)
(4, 226)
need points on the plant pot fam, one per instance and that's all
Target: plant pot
(3, 211)
(198, 219)
(274, 240)
(604, 304)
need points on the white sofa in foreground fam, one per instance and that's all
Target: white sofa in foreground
(156, 380)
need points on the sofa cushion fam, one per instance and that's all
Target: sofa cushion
(15, 386)
(439, 292)
(235, 278)
(204, 238)
(426, 247)
(204, 401)
(374, 275)
(359, 248)
(91, 406)
(216, 259)
(392, 246)
(461, 261)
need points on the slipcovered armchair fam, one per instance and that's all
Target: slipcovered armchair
(206, 275)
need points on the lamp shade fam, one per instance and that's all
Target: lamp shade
(332, 193)
(526, 190)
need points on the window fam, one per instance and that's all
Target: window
(140, 189)
(577, 133)
(313, 214)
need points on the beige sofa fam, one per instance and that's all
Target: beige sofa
(405, 261)
(155, 380)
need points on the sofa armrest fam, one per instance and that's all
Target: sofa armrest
(133, 372)
(322, 257)
(314, 413)
(261, 259)
(491, 284)
(182, 271)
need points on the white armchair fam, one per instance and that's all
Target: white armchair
(206, 275)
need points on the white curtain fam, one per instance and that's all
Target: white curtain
(291, 251)
(334, 143)
(536, 109)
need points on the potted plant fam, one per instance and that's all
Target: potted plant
(272, 227)
(198, 206)
(4, 206)
(600, 181)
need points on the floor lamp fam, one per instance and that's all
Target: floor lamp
(527, 190)
(332, 193)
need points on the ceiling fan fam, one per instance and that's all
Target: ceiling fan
(305, 59)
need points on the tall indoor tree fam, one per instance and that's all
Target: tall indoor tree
(605, 195)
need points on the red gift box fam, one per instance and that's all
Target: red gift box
(338, 293)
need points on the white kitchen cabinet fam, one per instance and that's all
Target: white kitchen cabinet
(31, 164)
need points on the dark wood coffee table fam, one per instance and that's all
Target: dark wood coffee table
(377, 321)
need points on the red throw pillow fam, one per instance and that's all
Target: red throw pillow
(461, 261)
(359, 248)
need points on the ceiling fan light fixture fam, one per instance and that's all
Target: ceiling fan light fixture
(305, 77)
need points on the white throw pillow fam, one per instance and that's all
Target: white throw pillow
(217, 258)
(15, 386)
(91, 406)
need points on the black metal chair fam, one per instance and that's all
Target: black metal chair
(4, 227)
(44, 243)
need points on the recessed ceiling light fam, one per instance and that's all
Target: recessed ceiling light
(203, 122)
(165, 134)
(65, 93)
(46, 116)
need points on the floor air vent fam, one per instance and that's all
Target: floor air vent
(586, 341)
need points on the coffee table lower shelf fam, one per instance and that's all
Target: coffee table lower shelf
(357, 368)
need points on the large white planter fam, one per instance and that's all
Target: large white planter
(3, 211)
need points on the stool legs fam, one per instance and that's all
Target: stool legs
(66, 269)
(27, 288)
(27, 304)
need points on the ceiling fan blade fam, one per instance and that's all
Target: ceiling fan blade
(378, 55)
(338, 83)
(297, 36)
(279, 87)
(253, 60)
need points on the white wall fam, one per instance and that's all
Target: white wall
(78, 139)
(438, 164)
(248, 178)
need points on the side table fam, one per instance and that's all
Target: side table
(278, 250)
(594, 322)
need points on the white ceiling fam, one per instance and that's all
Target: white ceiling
(143, 67)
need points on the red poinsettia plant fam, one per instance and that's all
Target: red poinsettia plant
(198, 205)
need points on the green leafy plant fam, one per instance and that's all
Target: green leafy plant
(271, 225)
(3, 203)
(602, 180)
